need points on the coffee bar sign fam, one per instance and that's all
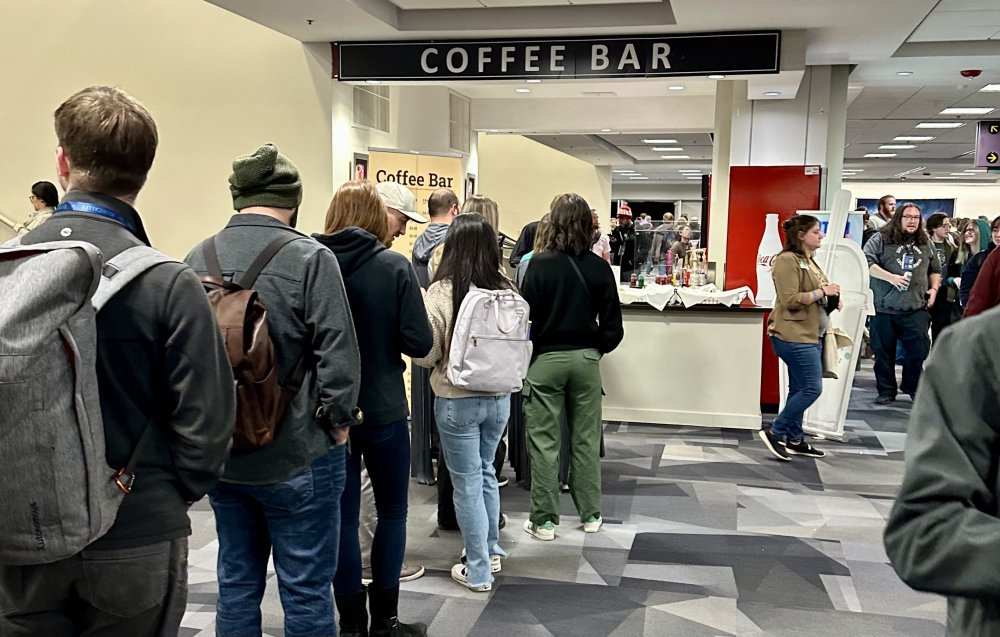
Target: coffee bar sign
(593, 57)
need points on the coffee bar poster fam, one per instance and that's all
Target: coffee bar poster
(422, 174)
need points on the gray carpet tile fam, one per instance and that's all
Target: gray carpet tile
(705, 535)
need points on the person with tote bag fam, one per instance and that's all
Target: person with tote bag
(797, 328)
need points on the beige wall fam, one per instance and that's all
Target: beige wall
(523, 176)
(971, 200)
(217, 85)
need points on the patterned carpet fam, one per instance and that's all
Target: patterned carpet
(705, 535)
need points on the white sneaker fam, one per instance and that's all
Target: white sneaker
(545, 532)
(593, 524)
(461, 575)
(495, 565)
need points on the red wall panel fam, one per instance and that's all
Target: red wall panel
(755, 191)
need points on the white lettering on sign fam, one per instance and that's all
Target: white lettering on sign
(660, 53)
(457, 68)
(599, 57)
(556, 56)
(484, 57)
(629, 57)
(506, 57)
(531, 58)
(423, 60)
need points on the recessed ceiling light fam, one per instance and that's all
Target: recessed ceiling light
(975, 170)
(772, 94)
(533, 81)
(897, 146)
(677, 87)
(962, 110)
(675, 156)
(666, 149)
(638, 178)
(605, 130)
(694, 178)
(415, 152)
(961, 174)
(940, 125)
(625, 172)
(688, 170)
(990, 88)
(880, 155)
(904, 73)
(522, 90)
(659, 141)
(373, 81)
(946, 178)
(493, 130)
(912, 138)
(716, 77)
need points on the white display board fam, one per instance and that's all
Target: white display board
(845, 264)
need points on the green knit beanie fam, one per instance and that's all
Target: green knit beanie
(265, 178)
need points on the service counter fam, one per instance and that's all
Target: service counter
(686, 366)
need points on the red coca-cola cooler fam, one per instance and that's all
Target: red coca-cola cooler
(761, 198)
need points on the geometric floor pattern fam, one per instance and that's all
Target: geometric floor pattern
(705, 535)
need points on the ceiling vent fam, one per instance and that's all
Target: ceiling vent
(371, 107)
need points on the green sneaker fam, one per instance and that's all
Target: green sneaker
(593, 524)
(545, 532)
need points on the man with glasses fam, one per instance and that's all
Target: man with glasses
(905, 277)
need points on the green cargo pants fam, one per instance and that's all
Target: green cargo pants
(570, 381)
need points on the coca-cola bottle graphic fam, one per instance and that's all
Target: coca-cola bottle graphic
(770, 246)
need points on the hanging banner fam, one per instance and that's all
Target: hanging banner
(732, 53)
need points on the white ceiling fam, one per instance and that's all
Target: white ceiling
(932, 39)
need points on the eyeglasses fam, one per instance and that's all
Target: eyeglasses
(32, 198)
(911, 217)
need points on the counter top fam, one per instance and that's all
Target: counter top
(745, 307)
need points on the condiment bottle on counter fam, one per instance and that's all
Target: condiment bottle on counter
(641, 281)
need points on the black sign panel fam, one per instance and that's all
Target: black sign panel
(593, 57)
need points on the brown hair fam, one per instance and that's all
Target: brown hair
(358, 204)
(892, 232)
(881, 202)
(484, 206)
(794, 229)
(571, 225)
(109, 138)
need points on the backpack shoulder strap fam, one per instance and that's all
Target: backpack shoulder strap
(123, 269)
(212, 258)
(258, 265)
(579, 275)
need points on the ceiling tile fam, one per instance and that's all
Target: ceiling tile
(965, 5)
(930, 33)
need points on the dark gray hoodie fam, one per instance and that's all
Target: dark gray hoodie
(389, 318)
(424, 246)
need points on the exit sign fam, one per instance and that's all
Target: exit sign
(988, 145)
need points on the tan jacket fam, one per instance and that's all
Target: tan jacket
(795, 317)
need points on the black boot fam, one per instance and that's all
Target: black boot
(353, 614)
(385, 623)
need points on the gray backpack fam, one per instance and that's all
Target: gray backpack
(57, 492)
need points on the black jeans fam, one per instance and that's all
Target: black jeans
(106, 593)
(943, 314)
(888, 329)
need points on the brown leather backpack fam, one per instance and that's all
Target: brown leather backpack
(261, 399)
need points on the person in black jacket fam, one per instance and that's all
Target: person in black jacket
(623, 243)
(161, 363)
(576, 318)
(525, 242)
(390, 321)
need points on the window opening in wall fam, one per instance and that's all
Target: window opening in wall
(460, 120)
(371, 107)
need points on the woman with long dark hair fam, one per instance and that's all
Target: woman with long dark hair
(576, 318)
(796, 328)
(470, 423)
(388, 326)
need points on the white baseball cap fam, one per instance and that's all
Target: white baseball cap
(399, 198)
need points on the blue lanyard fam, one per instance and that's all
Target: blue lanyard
(82, 206)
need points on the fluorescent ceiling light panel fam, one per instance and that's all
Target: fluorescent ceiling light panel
(946, 178)
(880, 155)
(522, 90)
(976, 170)
(716, 77)
(626, 172)
(533, 81)
(675, 88)
(688, 170)
(659, 141)
(940, 125)
(675, 156)
(772, 94)
(605, 130)
(990, 88)
(694, 178)
(667, 149)
(638, 178)
(984, 110)
(904, 73)
(896, 146)
(912, 138)
(961, 174)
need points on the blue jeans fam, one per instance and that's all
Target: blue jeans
(386, 453)
(805, 384)
(299, 521)
(470, 430)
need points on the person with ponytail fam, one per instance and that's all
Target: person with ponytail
(803, 296)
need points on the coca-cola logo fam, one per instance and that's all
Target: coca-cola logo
(766, 260)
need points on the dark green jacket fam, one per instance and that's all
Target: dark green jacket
(943, 534)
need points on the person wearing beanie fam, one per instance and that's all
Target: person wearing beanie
(284, 498)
